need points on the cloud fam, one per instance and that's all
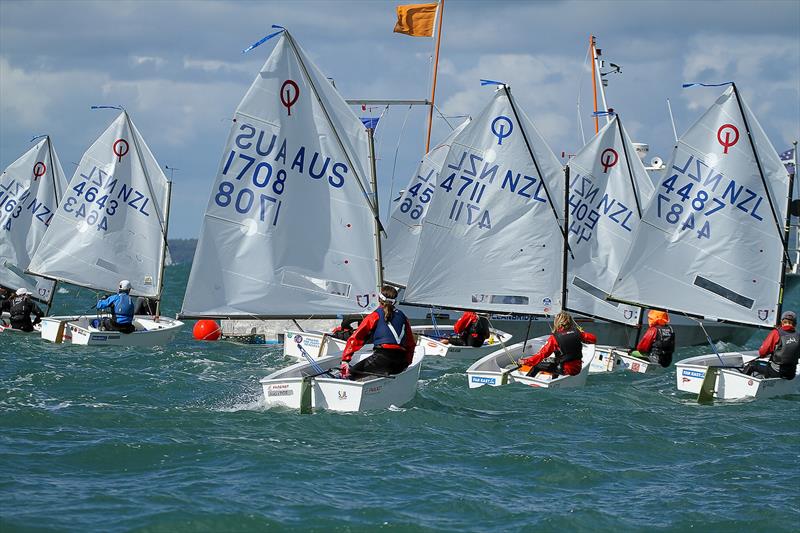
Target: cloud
(157, 62)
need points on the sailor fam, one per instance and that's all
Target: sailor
(782, 346)
(392, 339)
(344, 330)
(566, 341)
(471, 330)
(658, 343)
(20, 307)
(5, 294)
(121, 310)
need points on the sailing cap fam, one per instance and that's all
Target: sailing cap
(787, 315)
(124, 285)
(657, 318)
(383, 298)
(22, 291)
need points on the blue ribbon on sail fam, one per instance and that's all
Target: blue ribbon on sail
(492, 82)
(108, 107)
(265, 39)
(370, 122)
(38, 137)
(687, 85)
(608, 113)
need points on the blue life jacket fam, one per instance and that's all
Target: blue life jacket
(123, 309)
(384, 335)
(121, 305)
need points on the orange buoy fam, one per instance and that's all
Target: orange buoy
(206, 330)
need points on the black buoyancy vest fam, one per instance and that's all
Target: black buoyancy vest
(664, 343)
(21, 307)
(787, 351)
(480, 328)
(570, 347)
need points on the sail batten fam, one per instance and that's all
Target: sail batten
(289, 229)
(708, 245)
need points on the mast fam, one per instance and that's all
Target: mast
(564, 259)
(164, 245)
(786, 232)
(58, 201)
(435, 72)
(378, 227)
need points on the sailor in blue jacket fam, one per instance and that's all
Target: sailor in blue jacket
(121, 307)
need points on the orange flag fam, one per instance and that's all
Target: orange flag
(416, 20)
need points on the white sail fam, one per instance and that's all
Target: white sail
(405, 224)
(110, 223)
(609, 187)
(30, 190)
(710, 244)
(492, 238)
(288, 231)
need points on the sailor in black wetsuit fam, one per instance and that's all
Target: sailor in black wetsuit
(21, 307)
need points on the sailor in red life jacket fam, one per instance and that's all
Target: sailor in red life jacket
(471, 330)
(782, 347)
(566, 341)
(392, 338)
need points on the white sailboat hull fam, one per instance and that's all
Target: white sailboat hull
(428, 338)
(612, 359)
(498, 368)
(284, 387)
(730, 384)
(78, 330)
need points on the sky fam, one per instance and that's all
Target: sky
(177, 67)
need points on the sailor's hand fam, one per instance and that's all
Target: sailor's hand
(521, 362)
(344, 368)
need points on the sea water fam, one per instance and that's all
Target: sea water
(176, 438)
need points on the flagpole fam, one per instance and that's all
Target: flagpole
(435, 72)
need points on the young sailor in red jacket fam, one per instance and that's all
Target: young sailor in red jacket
(391, 336)
(658, 342)
(782, 348)
(566, 341)
(471, 330)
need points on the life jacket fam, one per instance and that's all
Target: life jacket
(787, 352)
(664, 343)
(21, 308)
(479, 329)
(390, 334)
(123, 309)
(570, 347)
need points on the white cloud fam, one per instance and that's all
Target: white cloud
(157, 62)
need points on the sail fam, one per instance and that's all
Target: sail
(110, 223)
(289, 230)
(409, 211)
(30, 190)
(492, 238)
(608, 188)
(710, 244)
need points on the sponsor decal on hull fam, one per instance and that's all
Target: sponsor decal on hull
(482, 379)
(694, 374)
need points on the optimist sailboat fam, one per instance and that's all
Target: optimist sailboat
(30, 191)
(291, 228)
(110, 225)
(713, 244)
(608, 185)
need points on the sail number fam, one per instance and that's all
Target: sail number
(269, 185)
(418, 196)
(695, 191)
(13, 200)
